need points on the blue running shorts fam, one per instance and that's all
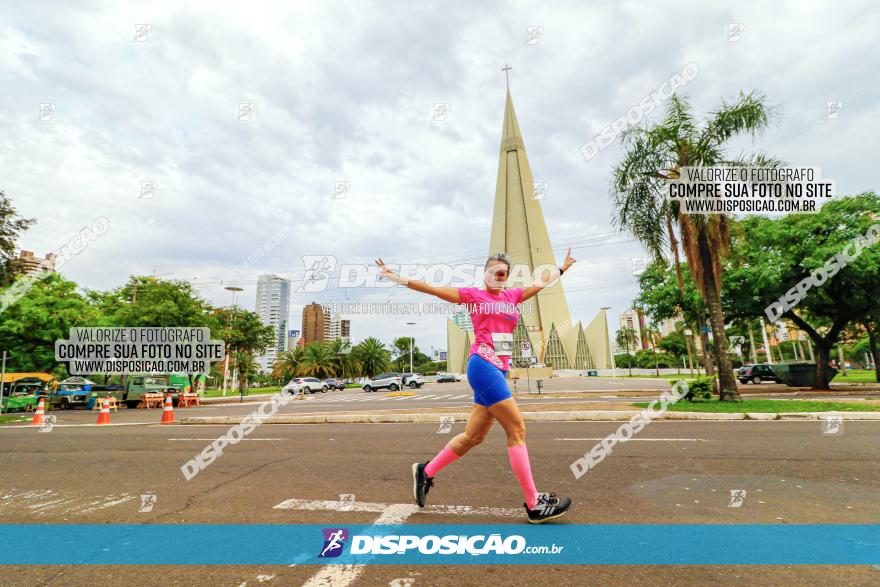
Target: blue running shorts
(488, 381)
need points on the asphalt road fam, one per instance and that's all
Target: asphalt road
(676, 472)
(447, 395)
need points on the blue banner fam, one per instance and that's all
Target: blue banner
(431, 544)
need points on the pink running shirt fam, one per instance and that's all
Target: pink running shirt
(491, 313)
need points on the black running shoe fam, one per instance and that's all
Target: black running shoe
(421, 483)
(548, 507)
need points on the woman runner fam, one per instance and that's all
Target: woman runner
(494, 316)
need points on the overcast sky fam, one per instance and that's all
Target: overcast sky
(345, 92)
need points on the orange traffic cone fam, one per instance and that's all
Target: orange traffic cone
(168, 411)
(38, 415)
(104, 415)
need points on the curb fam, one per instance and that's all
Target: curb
(577, 416)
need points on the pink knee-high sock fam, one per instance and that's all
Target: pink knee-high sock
(519, 461)
(443, 458)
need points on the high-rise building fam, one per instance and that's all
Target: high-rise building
(636, 321)
(293, 339)
(26, 263)
(312, 323)
(273, 308)
(518, 228)
(463, 320)
(335, 327)
(667, 326)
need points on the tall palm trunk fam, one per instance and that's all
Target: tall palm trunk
(727, 382)
(676, 261)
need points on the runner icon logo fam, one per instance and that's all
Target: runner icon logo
(334, 541)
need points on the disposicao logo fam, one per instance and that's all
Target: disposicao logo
(334, 541)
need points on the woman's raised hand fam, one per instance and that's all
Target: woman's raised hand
(385, 272)
(569, 260)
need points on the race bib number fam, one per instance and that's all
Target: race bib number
(503, 343)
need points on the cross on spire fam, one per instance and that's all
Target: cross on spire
(505, 69)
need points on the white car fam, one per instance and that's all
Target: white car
(305, 385)
(392, 381)
(412, 380)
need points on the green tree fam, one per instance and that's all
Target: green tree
(654, 155)
(400, 348)
(674, 344)
(626, 338)
(373, 356)
(345, 364)
(30, 327)
(11, 227)
(242, 332)
(286, 365)
(317, 361)
(151, 302)
(770, 257)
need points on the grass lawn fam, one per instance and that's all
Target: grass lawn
(621, 373)
(768, 405)
(856, 376)
(234, 392)
(13, 418)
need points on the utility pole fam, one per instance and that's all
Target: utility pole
(410, 324)
(234, 290)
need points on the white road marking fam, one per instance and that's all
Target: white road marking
(29, 427)
(64, 503)
(343, 575)
(646, 439)
(210, 439)
(363, 506)
(397, 513)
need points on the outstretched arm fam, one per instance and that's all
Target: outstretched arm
(555, 273)
(449, 294)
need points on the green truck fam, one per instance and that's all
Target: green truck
(137, 385)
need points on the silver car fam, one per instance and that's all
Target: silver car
(392, 381)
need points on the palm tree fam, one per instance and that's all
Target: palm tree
(317, 361)
(372, 356)
(655, 155)
(247, 366)
(345, 364)
(286, 365)
(652, 334)
(626, 338)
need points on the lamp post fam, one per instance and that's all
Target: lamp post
(234, 290)
(610, 347)
(410, 324)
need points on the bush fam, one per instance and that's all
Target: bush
(699, 389)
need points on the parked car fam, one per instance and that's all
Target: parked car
(334, 383)
(447, 378)
(305, 385)
(412, 380)
(392, 381)
(757, 374)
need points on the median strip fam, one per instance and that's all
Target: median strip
(569, 416)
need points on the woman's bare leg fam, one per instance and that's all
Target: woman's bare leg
(508, 415)
(478, 425)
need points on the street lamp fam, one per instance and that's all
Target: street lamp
(410, 324)
(234, 290)
(610, 347)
